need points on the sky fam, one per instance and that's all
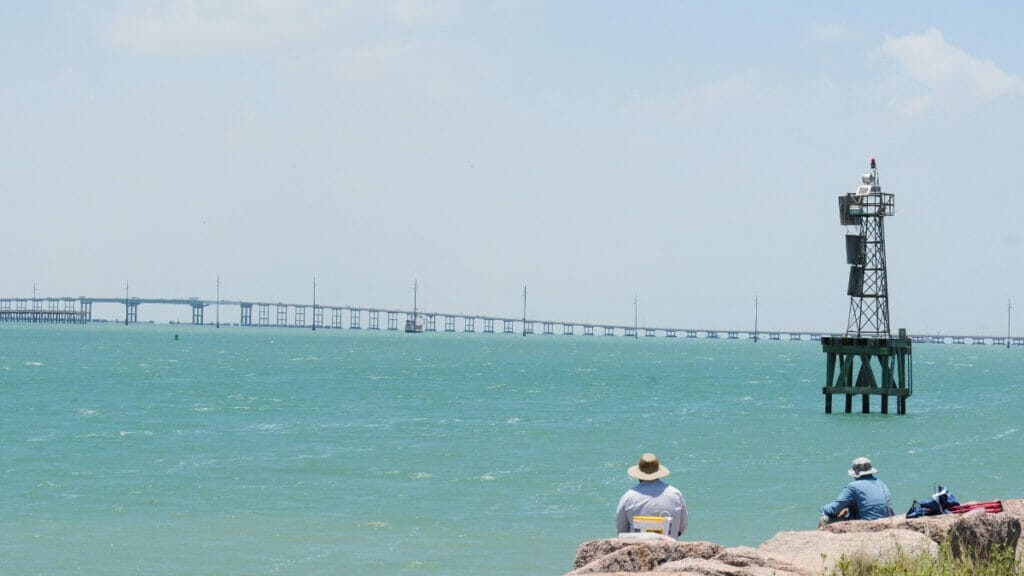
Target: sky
(685, 156)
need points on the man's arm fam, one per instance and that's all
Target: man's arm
(621, 519)
(845, 499)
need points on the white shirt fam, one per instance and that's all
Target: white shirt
(652, 498)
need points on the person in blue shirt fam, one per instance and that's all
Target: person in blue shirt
(866, 498)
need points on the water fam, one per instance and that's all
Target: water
(284, 451)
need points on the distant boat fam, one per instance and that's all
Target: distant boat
(412, 324)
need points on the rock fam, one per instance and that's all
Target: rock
(935, 527)
(738, 561)
(810, 553)
(1015, 508)
(632, 555)
(817, 552)
(978, 534)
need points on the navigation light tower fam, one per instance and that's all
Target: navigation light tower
(851, 358)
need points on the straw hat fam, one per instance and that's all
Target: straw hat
(648, 468)
(861, 467)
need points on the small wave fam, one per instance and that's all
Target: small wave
(487, 478)
(33, 363)
(421, 476)
(1006, 433)
(86, 412)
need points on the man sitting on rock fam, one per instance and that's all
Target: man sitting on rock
(651, 497)
(866, 498)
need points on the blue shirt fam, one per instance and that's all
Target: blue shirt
(867, 498)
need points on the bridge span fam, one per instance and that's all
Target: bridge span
(322, 316)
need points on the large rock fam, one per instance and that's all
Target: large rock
(662, 557)
(810, 553)
(738, 561)
(978, 534)
(1015, 509)
(817, 552)
(633, 555)
(935, 527)
(975, 533)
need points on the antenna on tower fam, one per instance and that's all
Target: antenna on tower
(524, 309)
(636, 335)
(755, 317)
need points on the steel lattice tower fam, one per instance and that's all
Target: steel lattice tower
(852, 358)
(865, 252)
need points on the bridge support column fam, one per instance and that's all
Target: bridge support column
(282, 314)
(264, 313)
(449, 323)
(197, 314)
(392, 320)
(246, 319)
(131, 312)
(568, 329)
(355, 317)
(468, 324)
(336, 321)
(86, 308)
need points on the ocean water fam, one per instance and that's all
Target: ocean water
(192, 450)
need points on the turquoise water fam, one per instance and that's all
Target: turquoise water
(286, 451)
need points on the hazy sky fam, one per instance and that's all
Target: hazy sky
(686, 153)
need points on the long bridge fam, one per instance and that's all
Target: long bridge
(78, 310)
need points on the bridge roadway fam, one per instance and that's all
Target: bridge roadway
(79, 310)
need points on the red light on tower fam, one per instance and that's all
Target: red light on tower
(872, 163)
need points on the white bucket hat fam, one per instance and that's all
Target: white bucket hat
(861, 467)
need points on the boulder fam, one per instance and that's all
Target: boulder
(818, 552)
(661, 557)
(978, 534)
(738, 561)
(810, 553)
(935, 527)
(633, 555)
(1015, 509)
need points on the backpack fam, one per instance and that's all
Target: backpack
(939, 503)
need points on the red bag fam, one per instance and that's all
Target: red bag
(990, 507)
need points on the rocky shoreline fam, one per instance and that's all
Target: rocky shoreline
(811, 552)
